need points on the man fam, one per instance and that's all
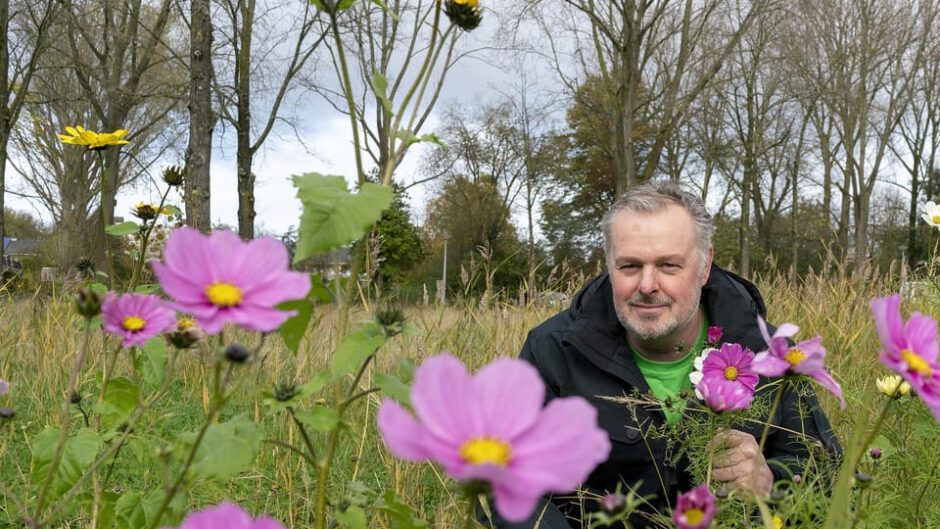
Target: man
(637, 329)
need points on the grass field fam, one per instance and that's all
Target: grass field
(40, 337)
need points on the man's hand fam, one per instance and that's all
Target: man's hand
(739, 463)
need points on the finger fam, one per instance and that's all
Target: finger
(729, 458)
(727, 474)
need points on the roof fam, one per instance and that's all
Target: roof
(14, 247)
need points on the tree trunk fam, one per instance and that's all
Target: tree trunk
(202, 119)
(246, 178)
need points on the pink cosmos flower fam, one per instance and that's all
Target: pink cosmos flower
(221, 279)
(713, 334)
(228, 516)
(695, 509)
(722, 395)
(491, 427)
(805, 358)
(731, 363)
(136, 317)
(910, 348)
(726, 380)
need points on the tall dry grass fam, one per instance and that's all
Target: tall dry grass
(40, 337)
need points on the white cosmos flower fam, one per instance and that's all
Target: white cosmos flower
(696, 375)
(932, 214)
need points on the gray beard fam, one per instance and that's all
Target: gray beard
(647, 334)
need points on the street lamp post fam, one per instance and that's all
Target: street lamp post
(444, 275)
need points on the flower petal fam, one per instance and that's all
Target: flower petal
(510, 396)
(887, 315)
(769, 365)
(443, 399)
(825, 380)
(403, 435)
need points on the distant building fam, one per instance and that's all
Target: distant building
(15, 250)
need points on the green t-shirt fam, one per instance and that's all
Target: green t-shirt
(668, 379)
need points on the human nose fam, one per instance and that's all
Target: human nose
(649, 283)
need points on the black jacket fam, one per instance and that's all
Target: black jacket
(583, 351)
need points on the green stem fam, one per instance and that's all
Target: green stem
(770, 415)
(325, 465)
(923, 490)
(303, 434)
(142, 257)
(65, 420)
(219, 401)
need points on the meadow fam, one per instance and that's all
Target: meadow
(41, 334)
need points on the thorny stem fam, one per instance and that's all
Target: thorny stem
(65, 419)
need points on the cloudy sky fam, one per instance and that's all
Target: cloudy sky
(326, 148)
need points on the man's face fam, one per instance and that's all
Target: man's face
(656, 272)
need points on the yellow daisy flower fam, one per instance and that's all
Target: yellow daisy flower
(78, 135)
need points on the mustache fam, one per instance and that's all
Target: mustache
(648, 300)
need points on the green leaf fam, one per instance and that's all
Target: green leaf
(136, 511)
(353, 517)
(319, 289)
(173, 209)
(124, 228)
(293, 330)
(119, 402)
(343, 5)
(98, 288)
(147, 288)
(393, 387)
(332, 215)
(410, 139)
(79, 452)
(226, 449)
(151, 362)
(356, 348)
(319, 418)
(380, 87)
(402, 516)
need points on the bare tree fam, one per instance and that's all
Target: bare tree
(650, 56)
(127, 60)
(292, 35)
(21, 46)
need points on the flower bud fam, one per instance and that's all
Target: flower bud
(391, 319)
(713, 334)
(613, 503)
(722, 493)
(284, 391)
(797, 478)
(465, 14)
(4, 387)
(890, 385)
(875, 453)
(7, 414)
(88, 303)
(186, 334)
(174, 175)
(237, 353)
(75, 398)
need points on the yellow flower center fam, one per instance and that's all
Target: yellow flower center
(482, 450)
(731, 373)
(224, 294)
(133, 323)
(694, 516)
(778, 522)
(935, 219)
(915, 362)
(185, 323)
(794, 356)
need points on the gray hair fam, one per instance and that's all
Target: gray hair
(653, 197)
